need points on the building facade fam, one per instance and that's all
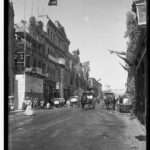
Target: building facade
(10, 50)
(96, 87)
(139, 72)
(44, 67)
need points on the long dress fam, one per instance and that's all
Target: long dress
(29, 111)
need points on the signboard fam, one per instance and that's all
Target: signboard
(141, 13)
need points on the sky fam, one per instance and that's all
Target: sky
(93, 26)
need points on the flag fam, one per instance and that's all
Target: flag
(52, 2)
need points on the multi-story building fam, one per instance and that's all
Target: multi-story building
(96, 87)
(11, 50)
(43, 62)
(140, 70)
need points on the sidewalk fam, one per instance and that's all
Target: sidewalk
(16, 112)
(136, 132)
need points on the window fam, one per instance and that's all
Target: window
(51, 36)
(48, 32)
(54, 38)
(34, 63)
(43, 68)
(47, 69)
(48, 51)
(39, 64)
(28, 61)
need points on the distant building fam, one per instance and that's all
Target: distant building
(118, 91)
(96, 87)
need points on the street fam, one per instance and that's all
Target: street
(68, 129)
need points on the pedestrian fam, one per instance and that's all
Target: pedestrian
(83, 98)
(24, 105)
(47, 105)
(35, 103)
(38, 103)
(41, 104)
(106, 100)
(114, 102)
(29, 110)
(120, 100)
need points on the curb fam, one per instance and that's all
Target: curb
(141, 126)
(15, 112)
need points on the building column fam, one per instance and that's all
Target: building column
(19, 93)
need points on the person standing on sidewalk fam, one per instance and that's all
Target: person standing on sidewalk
(114, 100)
(29, 111)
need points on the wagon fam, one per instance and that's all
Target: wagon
(73, 101)
(58, 102)
(88, 100)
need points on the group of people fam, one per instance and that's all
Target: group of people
(29, 105)
(36, 103)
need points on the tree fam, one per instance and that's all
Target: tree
(132, 33)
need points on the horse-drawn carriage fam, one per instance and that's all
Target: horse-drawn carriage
(110, 101)
(88, 100)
